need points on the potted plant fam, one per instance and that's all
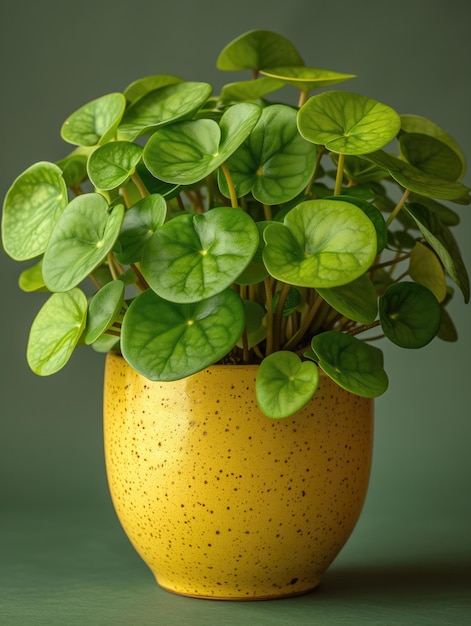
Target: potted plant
(193, 235)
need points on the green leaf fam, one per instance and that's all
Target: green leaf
(139, 88)
(167, 341)
(411, 178)
(356, 300)
(447, 216)
(56, 331)
(104, 309)
(32, 279)
(409, 314)
(139, 224)
(111, 165)
(430, 155)
(354, 365)
(373, 213)
(306, 78)
(347, 123)
(274, 163)
(447, 330)
(255, 325)
(193, 257)
(424, 126)
(186, 152)
(443, 243)
(74, 169)
(426, 269)
(285, 384)
(256, 50)
(95, 122)
(80, 241)
(249, 89)
(322, 243)
(31, 208)
(162, 106)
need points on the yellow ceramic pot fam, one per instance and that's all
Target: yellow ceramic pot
(223, 502)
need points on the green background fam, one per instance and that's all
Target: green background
(64, 558)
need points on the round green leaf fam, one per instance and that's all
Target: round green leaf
(430, 155)
(256, 50)
(356, 300)
(139, 88)
(375, 216)
(322, 243)
(74, 169)
(162, 106)
(426, 269)
(285, 384)
(95, 122)
(413, 179)
(32, 279)
(410, 314)
(111, 165)
(193, 257)
(31, 208)
(348, 123)
(103, 310)
(274, 163)
(306, 78)
(424, 126)
(354, 365)
(167, 341)
(56, 331)
(139, 224)
(186, 152)
(81, 239)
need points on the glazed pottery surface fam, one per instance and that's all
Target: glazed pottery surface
(219, 500)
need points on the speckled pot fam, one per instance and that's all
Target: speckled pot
(222, 502)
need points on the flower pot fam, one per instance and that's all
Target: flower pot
(222, 502)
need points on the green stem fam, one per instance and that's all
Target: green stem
(339, 177)
(306, 322)
(230, 184)
(398, 207)
(302, 97)
(362, 329)
(269, 306)
(136, 179)
(279, 316)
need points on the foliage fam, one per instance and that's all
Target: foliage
(186, 228)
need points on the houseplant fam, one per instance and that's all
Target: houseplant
(187, 229)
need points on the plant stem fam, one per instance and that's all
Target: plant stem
(267, 213)
(306, 322)
(269, 307)
(141, 281)
(398, 207)
(339, 177)
(111, 265)
(302, 97)
(230, 184)
(363, 328)
(136, 179)
(279, 316)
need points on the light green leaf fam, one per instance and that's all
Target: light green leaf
(354, 365)
(256, 50)
(104, 309)
(274, 163)
(139, 88)
(139, 224)
(347, 123)
(444, 244)
(32, 279)
(356, 300)
(111, 165)
(80, 241)
(162, 106)
(426, 269)
(166, 341)
(95, 122)
(322, 243)
(193, 257)
(56, 331)
(32, 206)
(249, 89)
(285, 384)
(306, 78)
(74, 169)
(373, 213)
(411, 178)
(410, 314)
(186, 152)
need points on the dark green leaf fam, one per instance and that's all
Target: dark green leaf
(356, 300)
(103, 310)
(409, 314)
(351, 363)
(430, 156)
